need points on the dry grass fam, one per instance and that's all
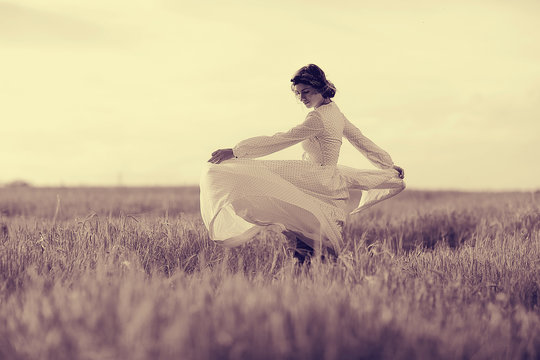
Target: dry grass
(131, 274)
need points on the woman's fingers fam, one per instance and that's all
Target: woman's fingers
(400, 171)
(217, 157)
(221, 155)
(213, 159)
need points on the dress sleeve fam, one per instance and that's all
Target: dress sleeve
(375, 154)
(264, 145)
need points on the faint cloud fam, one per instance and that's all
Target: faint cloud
(22, 25)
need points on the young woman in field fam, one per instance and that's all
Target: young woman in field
(307, 200)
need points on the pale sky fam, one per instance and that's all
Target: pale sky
(141, 92)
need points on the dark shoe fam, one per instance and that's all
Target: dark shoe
(303, 252)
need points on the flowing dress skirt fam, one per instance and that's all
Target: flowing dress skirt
(241, 197)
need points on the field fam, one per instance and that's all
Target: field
(129, 273)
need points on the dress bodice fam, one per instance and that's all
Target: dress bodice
(324, 147)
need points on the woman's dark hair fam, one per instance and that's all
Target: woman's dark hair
(314, 76)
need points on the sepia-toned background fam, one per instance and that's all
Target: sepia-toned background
(141, 92)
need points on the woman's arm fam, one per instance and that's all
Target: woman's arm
(264, 145)
(375, 154)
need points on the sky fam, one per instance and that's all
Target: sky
(124, 92)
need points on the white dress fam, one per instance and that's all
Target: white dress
(311, 197)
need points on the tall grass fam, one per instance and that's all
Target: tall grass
(131, 274)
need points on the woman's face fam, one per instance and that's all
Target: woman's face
(308, 95)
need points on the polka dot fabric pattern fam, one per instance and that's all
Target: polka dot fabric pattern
(242, 196)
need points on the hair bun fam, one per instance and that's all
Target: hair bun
(314, 76)
(329, 90)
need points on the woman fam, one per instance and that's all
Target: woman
(307, 200)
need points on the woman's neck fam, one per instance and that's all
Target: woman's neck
(324, 102)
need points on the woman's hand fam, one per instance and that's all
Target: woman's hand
(221, 155)
(400, 171)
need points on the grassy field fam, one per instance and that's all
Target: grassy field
(125, 273)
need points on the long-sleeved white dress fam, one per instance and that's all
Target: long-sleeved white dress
(241, 196)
